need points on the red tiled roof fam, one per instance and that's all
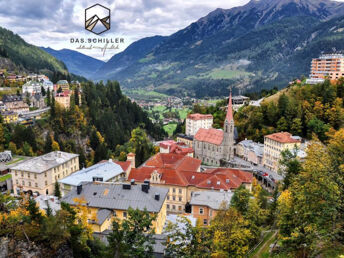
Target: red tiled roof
(198, 116)
(283, 137)
(124, 164)
(174, 161)
(211, 135)
(166, 144)
(211, 179)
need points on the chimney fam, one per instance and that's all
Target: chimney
(131, 158)
(145, 188)
(126, 186)
(147, 183)
(157, 196)
(79, 189)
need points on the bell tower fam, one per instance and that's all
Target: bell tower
(228, 132)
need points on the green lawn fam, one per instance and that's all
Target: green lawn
(15, 160)
(5, 177)
(170, 128)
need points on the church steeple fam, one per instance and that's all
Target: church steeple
(229, 116)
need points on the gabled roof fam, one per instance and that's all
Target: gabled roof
(212, 199)
(211, 135)
(198, 116)
(105, 170)
(174, 161)
(283, 137)
(114, 197)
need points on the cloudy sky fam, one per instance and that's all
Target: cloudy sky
(54, 22)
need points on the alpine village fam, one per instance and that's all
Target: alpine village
(216, 141)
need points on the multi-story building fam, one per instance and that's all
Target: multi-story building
(187, 139)
(331, 66)
(106, 201)
(63, 98)
(181, 175)
(274, 144)
(213, 145)
(63, 84)
(15, 103)
(105, 171)
(206, 204)
(39, 174)
(196, 121)
(250, 151)
(32, 87)
(9, 116)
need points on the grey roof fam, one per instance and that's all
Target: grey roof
(257, 148)
(45, 162)
(106, 170)
(102, 215)
(114, 197)
(62, 82)
(212, 199)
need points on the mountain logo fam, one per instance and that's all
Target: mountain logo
(97, 19)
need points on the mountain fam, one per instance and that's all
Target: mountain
(76, 62)
(136, 52)
(18, 54)
(262, 44)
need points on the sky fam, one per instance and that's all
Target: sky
(52, 23)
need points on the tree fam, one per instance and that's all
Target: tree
(290, 166)
(57, 191)
(240, 200)
(132, 237)
(282, 124)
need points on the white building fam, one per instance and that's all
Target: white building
(32, 87)
(196, 121)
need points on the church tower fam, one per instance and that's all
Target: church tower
(228, 132)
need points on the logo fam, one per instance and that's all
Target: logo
(97, 19)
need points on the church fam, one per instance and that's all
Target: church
(213, 145)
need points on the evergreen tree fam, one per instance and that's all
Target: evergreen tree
(57, 191)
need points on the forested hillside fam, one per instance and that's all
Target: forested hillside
(26, 56)
(94, 128)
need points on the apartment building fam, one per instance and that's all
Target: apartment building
(331, 66)
(196, 121)
(63, 98)
(39, 174)
(206, 204)
(106, 201)
(274, 144)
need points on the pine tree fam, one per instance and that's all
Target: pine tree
(57, 191)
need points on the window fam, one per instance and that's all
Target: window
(35, 176)
(174, 190)
(124, 214)
(46, 182)
(174, 198)
(173, 207)
(205, 222)
(22, 174)
(29, 183)
(210, 213)
(201, 210)
(36, 185)
(16, 181)
(168, 197)
(180, 199)
(168, 206)
(28, 174)
(45, 174)
(180, 190)
(114, 214)
(23, 182)
(180, 208)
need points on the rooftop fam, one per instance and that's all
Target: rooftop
(114, 197)
(105, 170)
(212, 199)
(198, 116)
(45, 162)
(173, 161)
(211, 135)
(283, 137)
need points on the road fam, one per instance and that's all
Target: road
(34, 113)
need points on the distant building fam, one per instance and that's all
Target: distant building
(63, 98)
(171, 146)
(206, 204)
(15, 103)
(39, 174)
(37, 100)
(196, 121)
(106, 171)
(239, 101)
(9, 117)
(32, 87)
(107, 201)
(274, 144)
(63, 84)
(327, 66)
(187, 139)
(213, 145)
(250, 151)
